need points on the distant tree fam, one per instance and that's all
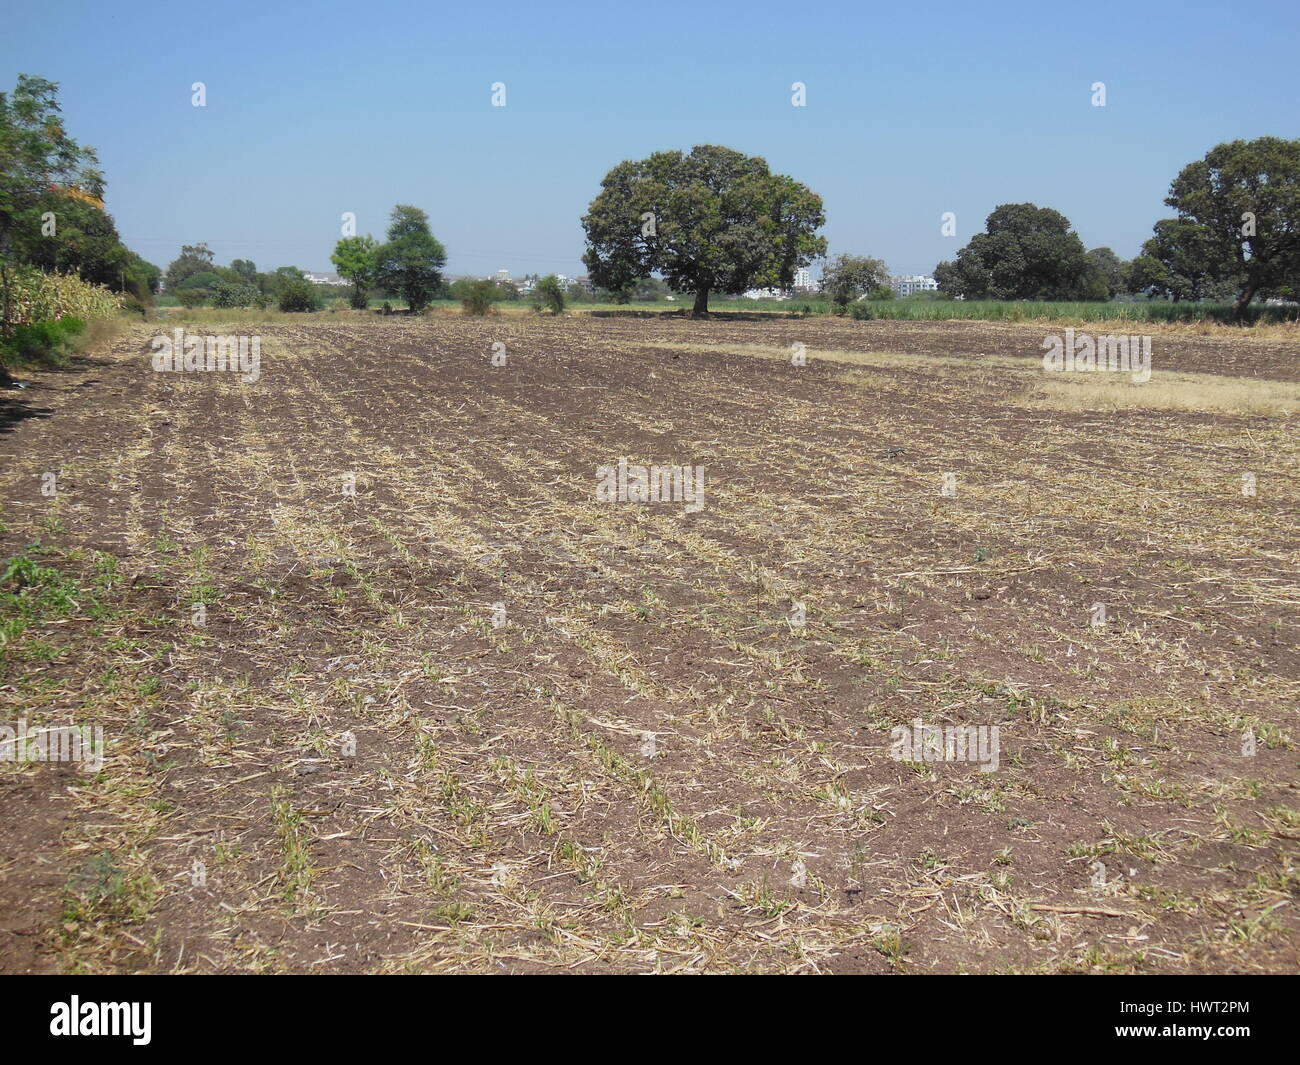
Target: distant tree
(273, 281)
(1107, 274)
(548, 294)
(714, 220)
(1243, 199)
(246, 269)
(192, 297)
(1026, 253)
(37, 158)
(193, 259)
(204, 279)
(650, 290)
(355, 260)
(139, 278)
(410, 263)
(950, 279)
(847, 277)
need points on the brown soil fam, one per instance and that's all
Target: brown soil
(502, 810)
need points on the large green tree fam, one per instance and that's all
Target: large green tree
(713, 220)
(1243, 200)
(411, 262)
(1025, 253)
(355, 260)
(39, 165)
(1175, 264)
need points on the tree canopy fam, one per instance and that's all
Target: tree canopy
(193, 259)
(411, 262)
(356, 261)
(40, 165)
(847, 277)
(1238, 220)
(1025, 253)
(712, 220)
(1174, 264)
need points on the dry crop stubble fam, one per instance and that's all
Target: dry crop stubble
(498, 810)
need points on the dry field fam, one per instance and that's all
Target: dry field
(344, 763)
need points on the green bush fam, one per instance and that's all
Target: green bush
(41, 342)
(479, 297)
(228, 294)
(549, 295)
(191, 297)
(299, 296)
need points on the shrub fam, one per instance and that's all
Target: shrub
(191, 297)
(228, 294)
(549, 295)
(299, 296)
(47, 342)
(479, 297)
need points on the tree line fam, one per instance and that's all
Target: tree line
(1235, 237)
(711, 221)
(715, 220)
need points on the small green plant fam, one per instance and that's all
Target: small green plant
(101, 890)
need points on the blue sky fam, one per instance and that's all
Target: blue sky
(912, 110)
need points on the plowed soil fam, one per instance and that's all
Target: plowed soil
(441, 709)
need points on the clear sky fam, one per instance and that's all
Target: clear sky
(912, 110)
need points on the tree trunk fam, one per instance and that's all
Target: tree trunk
(6, 381)
(701, 303)
(1243, 301)
(5, 325)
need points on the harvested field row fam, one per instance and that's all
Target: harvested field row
(386, 688)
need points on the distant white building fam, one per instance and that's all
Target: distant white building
(802, 279)
(905, 286)
(324, 279)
